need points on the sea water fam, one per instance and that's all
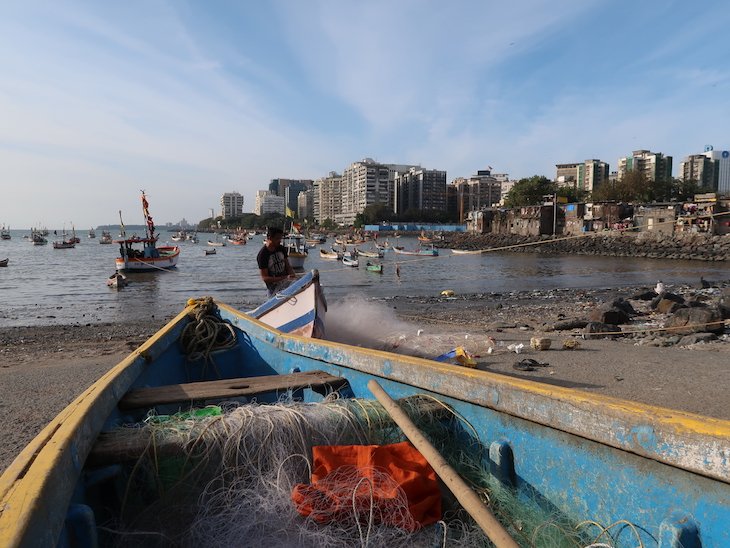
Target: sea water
(44, 286)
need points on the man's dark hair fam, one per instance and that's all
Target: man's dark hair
(273, 231)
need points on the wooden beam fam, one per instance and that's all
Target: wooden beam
(227, 388)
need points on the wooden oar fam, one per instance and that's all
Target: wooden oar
(463, 493)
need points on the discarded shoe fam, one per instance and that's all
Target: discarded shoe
(528, 364)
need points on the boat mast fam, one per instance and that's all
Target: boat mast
(123, 245)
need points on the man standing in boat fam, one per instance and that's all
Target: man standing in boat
(276, 272)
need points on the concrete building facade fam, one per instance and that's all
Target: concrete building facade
(654, 165)
(305, 204)
(231, 205)
(327, 201)
(419, 189)
(271, 203)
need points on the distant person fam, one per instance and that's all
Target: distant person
(276, 272)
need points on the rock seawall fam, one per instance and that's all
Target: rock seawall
(696, 247)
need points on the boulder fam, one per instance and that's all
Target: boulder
(612, 316)
(620, 304)
(644, 295)
(565, 325)
(667, 306)
(596, 330)
(695, 320)
(695, 338)
(666, 296)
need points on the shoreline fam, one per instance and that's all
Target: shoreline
(43, 368)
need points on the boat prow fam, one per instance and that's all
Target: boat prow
(299, 309)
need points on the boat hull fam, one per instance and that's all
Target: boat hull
(299, 309)
(167, 259)
(586, 456)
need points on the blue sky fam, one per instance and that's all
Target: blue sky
(188, 100)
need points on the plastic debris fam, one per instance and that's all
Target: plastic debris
(448, 293)
(461, 356)
(516, 348)
(418, 333)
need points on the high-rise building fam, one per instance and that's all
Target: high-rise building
(711, 170)
(327, 202)
(231, 205)
(479, 191)
(290, 189)
(267, 202)
(365, 183)
(587, 176)
(305, 204)
(419, 189)
(654, 165)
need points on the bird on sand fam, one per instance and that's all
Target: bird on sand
(659, 289)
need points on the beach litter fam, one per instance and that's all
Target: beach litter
(461, 356)
(528, 364)
(516, 348)
(540, 343)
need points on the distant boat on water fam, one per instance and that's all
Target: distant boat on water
(106, 237)
(92, 233)
(150, 257)
(5, 233)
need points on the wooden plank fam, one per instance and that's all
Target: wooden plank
(227, 388)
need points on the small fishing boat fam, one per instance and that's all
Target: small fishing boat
(216, 243)
(4, 262)
(117, 281)
(428, 251)
(209, 251)
(296, 249)
(329, 254)
(548, 459)
(150, 257)
(238, 239)
(299, 309)
(66, 242)
(92, 233)
(349, 260)
(106, 237)
(37, 237)
(374, 267)
(370, 254)
(466, 251)
(5, 233)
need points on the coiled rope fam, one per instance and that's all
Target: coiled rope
(206, 332)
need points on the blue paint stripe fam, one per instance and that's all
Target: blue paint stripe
(280, 297)
(301, 321)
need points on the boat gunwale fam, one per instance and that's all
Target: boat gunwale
(603, 419)
(75, 428)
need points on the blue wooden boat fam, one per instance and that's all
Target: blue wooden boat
(655, 477)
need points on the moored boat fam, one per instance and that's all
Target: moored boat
(37, 237)
(617, 473)
(428, 251)
(370, 254)
(466, 251)
(106, 237)
(210, 251)
(5, 233)
(374, 267)
(117, 281)
(349, 260)
(296, 249)
(4, 262)
(329, 254)
(92, 233)
(300, 308)
(150, 257)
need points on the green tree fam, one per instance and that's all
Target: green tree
(684, 191)
(530, 191)
(328, 224)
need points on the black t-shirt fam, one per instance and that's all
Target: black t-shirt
(273, 261)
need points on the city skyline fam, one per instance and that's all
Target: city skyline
(189, 101)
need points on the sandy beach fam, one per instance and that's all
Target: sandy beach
(42, 369)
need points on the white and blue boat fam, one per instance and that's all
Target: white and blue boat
(625, 473)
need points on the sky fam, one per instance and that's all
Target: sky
(191, 99)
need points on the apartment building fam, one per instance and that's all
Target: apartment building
(710, 169)
(588, 175)
(477, 192)
(419, 189)
(327, 201)
(231, 205)
(271, 203)
(305, 204)
(290, 189)
(654, 165)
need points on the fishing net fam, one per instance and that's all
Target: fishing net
(228, 481)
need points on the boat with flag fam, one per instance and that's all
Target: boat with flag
(142, 254)
(296, 247)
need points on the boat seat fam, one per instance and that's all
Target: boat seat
(229, 388)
